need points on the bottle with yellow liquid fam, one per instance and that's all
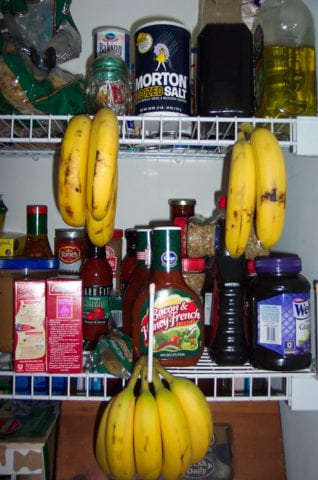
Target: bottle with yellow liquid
(285, 65)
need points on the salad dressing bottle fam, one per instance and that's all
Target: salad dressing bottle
(178, 329)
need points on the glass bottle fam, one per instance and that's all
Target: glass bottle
(108, 85)
(139, 277)
(37, 243)
(129, 261)
(225, 70)
(97, 277)
(284, 43)
(178, 310)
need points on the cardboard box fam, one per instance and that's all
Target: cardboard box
(64, 325)
(12, 244)
(27, 439)
(29, 326)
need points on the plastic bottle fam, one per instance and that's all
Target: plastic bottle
(129, 261)
(139, 277)
(280, 314)
(37, 243)
(225, 75)
(178, 310)
(228, 344)
(207, 296)
(284, 41)
(97, 276)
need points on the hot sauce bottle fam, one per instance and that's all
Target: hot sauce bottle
(178, 329)
(97, 276)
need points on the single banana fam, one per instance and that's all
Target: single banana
(72, 170)
(196, 410)
(120, 431)
(241, 198)
(271, 186)
(102, 162)
(147, 434)
(100, 232)
(100, 444)
(175, 434)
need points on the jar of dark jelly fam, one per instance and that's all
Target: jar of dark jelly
(280, 314)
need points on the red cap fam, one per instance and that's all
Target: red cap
(37, 209)
(193, 264)
(222, 201)
(118, 233)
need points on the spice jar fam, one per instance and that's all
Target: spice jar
(70, 249)
(108, 85)
(193, 273)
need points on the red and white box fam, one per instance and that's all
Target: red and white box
(64, 325)
(29, 326)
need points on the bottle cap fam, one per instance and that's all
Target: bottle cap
(36, 209)
(193, 264)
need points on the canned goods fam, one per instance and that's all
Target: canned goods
(162, 71)
(115, 38)
(70, 249)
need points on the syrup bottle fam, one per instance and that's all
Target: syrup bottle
(37, 243)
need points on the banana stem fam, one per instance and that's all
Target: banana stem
(136, 372)
(247, 129)
(163, 372)
(144, 380)
(156, 381)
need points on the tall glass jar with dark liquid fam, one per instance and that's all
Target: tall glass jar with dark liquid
(285, 73)
(225, 79)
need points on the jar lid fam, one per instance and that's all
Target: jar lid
(118, 233)
(278, 264)
(70, 233)
(37, 209)
(109, 61)
(182, 201)
(193, 264)
(24, 263)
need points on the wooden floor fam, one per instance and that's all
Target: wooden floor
(257, 446)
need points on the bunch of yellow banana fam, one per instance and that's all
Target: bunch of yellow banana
(257, 187)
(240, 197)
(157, 432)
(88, 174)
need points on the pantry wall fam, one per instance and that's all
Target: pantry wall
(145, 184)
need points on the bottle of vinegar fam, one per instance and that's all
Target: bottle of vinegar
(225, 75)
(285, 60)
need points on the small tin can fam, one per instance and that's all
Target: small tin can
(115, 38)
(162, 72)
(70, 249)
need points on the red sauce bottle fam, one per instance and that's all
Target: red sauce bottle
(97, 277)
(129, 261)
(139, 277)
(178, 310)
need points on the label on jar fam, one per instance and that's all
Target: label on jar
(70, 256)
(284, 324)
(177, 329)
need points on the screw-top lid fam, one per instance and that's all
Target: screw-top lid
(182, 201)
(278, 264)
(222, 202)
(110, 62)
(193, 264)
(29, 263)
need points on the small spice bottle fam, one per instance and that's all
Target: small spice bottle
(70, 249)
(37, 243)
(193, 273)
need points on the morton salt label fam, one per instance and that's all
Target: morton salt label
(162, 68)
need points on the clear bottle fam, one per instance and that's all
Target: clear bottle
(108, 85)
(97, 277)
(228, 343)
(178, 310)
(225, 71)
(129, 261)
(284, 42)
(139, 277)
(37, 242)
(280, 314)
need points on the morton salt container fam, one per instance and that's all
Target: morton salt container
(162, 73)
(279, 300)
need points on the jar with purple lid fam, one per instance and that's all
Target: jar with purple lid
(280, 314)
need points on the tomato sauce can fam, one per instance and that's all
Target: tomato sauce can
(162, 69)
(115, 38)
(70, 249)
